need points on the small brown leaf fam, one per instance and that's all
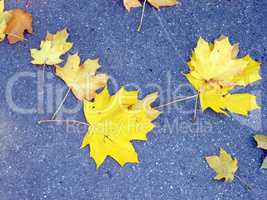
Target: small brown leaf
(131, 4)
(128, 4)
(159, 3)
(20, 22)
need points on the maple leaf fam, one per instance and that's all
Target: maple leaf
(215, 70)
(19, 22)
(82, 78)
(51, 49)
(224, 165)
(4, 19)
(128, 4)
(262, 143)
(60, 39)
(115, 121)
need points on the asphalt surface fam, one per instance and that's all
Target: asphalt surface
(45, 161)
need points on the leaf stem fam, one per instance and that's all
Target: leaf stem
(243, 183)
(177, 100)
(142, 17)
(195, 109)
(64, 121)
(61, 104)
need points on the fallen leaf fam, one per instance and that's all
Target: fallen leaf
(19, 22)
(262, 143)
(224, 165)
(5, 17)
(82, 78)
(160, 3)
(215, 70)
(60, 40)
(115, 121)
(51, 49)
(128, 4)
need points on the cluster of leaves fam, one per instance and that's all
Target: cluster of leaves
(81, 78)
(215, 70)
(14, 23)
(116, 120)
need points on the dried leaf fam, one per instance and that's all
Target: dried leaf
(20, 22)
(128, 4)
(131, 4)
(215, 70)
(82, 79)
(115, 121)
(51, 49)
(224, 165)
(160, 3)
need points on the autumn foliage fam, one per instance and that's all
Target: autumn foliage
(114, 121)
(215, 70)
(14, 23)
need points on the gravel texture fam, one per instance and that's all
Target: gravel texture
(45, 161)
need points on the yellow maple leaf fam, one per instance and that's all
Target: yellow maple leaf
(262, 143)
(224, 165)
(60, 39)
(128, 4)
(5, 16)
(215, 70)
(51, 49)
(115, 121)
(82, 78)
